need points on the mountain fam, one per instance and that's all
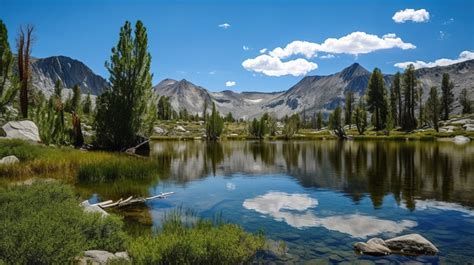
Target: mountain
(45, 72)
(312, 93)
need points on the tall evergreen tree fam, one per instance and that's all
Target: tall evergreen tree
(433, 106)
(465, 102)
(397, 97)
(214, 124)
(24, 42)
(348, 108)
(76, 98)
(335, 120)
(8, 84)
(360, 116)
(447, 96)
(376, 102)
(393, 103)
(420, 106)
(204, 111)
(319, 120)
(87, 104)
(409, 98)
(124, 107)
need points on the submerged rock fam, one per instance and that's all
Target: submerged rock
(24, 130)
(8, 160)
(412, 244)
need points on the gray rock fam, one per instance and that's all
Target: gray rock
(469, 127)
(122, 255)
(25, 130)
(8, 160)
(180, 128)
(412, 244)
(447, 129)
(460, 139)
(159, 130)
(373, 247)
(98, 257)
(93, 208)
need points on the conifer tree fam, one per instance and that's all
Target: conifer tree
(447, 96)
(8, 84)
(409, 98)
(360, 117)
(123, 109)
(87, 104)
(376, 102)
(465, 102)
(348, 108)
(214, 124)
(397, 97)
(433, 106)
(24, 42)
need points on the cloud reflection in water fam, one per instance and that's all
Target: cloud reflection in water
(294, 209)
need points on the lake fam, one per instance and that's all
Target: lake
(319, 197)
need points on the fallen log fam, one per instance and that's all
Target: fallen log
(130, 200)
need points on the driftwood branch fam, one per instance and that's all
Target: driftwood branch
(130, 200)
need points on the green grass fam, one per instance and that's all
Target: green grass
(44, 224)
(198, 242)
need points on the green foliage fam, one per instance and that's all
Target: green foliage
(201, 242)
(214, 124)
(87, 105)
(465, 102)
(8, 84)
(44, 224)
(335, 119)
(292, 126)
(319, 120)
(229, 117)
(360, 117)
(376, 102)
(396, 99)
(123, 108)
(447, 96)
(409, 99)
(164, 108)
(433, 106)
(117, 168)
(348, 108)
(258, 128)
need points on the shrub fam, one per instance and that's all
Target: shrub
(202, 242)
(44, 224)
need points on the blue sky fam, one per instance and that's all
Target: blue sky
(185, 39)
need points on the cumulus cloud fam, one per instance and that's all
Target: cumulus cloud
(409, 14)
(463, 56)
(230, 83)
(264, 50)
(245, 48)
(274, 66)
(295, 210)
(354, 43)
(224, 25)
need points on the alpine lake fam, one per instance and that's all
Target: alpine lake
(314, 199)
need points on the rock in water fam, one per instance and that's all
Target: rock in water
(459, 139)
(8, 160)
(25, 130)
(373, 247)
(412, 244)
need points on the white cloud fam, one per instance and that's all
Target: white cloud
(264, 50)
(327, 56)
(449, 21)
(442, 35)
(294, 209)
(230, 83)
(354, 43)
(420, 15)
(463, 56)
(212, 72)
(245, 48)
(224, 25)
(273, 66)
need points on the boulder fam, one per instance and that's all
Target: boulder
(99, 257)
(373, 247)
(412, 244)
(93, 208)
(469, 127)
(8, 160)
(460, 139)
(25, 130)
(180, 128)
(159, 130)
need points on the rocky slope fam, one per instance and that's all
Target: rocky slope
(45, 72)
(312, 93)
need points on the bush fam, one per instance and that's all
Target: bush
(202, 242)
(44, 224)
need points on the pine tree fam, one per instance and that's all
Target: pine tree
(433, 106)
(319, 120)
(420, 106)
(335, 120)
(409, 96)
(123, 108)
(397, 94)
(360, 117)
(465, 102)
(447, 96)
(76, 98)
(87, 105)
(376, 102)
(8, 84)
(393, 103)
(214, 124)
(348, 108)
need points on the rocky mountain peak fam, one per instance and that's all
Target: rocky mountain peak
(354, 70)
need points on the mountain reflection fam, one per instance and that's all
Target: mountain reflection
(410, 171)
